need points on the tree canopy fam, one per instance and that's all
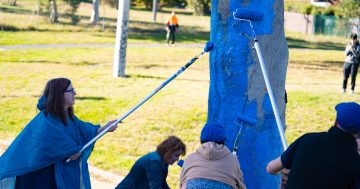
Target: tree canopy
(351, 8)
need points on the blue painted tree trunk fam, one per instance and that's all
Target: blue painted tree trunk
(237, 87)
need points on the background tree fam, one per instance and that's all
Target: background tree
(351, 8)
(121, 39)
(74, 4)
(201, 7)
(148, 4)
(174, 3)
(161, 3)
(9, 2)
(113, 3)
(94, 19)
(54, 16)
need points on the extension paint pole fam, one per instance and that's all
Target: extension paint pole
(207, 48)
(271, 95)
(248, 15)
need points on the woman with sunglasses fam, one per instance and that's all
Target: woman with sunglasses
(37, 156)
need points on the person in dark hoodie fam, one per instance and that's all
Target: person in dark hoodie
(150, 171)
(351, 64)
(36, 158)
(324, 160)
(212, 165)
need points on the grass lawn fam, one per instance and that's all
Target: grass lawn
(313, 82)
(21, 25)
(180, 109)
(313, 85)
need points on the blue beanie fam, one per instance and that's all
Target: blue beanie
(348, 116)
(213, 132)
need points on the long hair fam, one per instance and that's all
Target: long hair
(169, 146)
(353, 36)
(54, 93)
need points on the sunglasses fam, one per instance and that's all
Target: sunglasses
(70, 90)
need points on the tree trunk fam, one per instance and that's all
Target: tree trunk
(197, 7)
(12, 2)
(148, 4)
(237, 89)
(206, 7)
(154, 8)
(38, 8)
(95, 12)
(121, 39)
(201, 7)
(53, 12)
(9, 2)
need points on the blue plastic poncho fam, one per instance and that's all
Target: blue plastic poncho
(46, 141)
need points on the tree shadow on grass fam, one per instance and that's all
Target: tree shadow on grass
(318, 63)
(300, 43)
(10, 28)
(335, 66)
(84, 63)
(314, 84)
(81, 63)
(30, 61)
(149, 66)
(162, 78)
(161, 11)
(16, 10)
(95, 98)
(144, 76)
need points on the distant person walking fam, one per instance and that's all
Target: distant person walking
(172, 26)
(351, 65)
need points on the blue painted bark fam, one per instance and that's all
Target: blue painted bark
(237, 87)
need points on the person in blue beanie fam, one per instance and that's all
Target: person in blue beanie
(212, 165)
(150, 171)
(326, 159)
(36, 158)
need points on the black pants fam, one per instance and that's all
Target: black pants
(350, 68)
(171, 34)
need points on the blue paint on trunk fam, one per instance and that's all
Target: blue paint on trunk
(230, 60)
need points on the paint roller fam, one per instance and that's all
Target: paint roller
(209, 45)
(242, 120)
(249, 15)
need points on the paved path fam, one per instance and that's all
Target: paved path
(93, 45)
(100, 179)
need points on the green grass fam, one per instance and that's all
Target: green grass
(311, 111)
(297, 40)
(21, 25)
(180, 109)
(313, 85)
(313, 81)
(296, 6)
